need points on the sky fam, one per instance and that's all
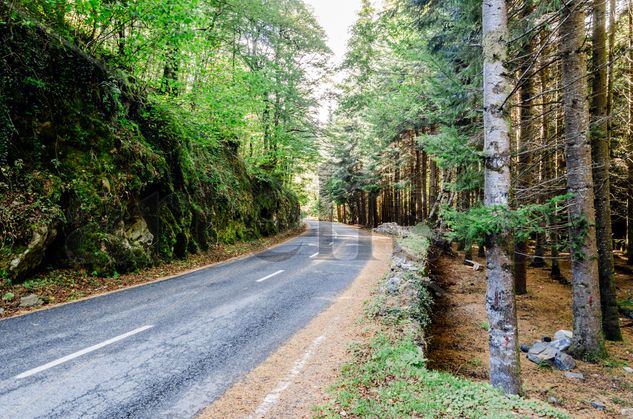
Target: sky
(336, 17)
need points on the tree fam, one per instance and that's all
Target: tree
(629, 140)
(500, 301)
(526, 134)
(601, 159)
(587, 340)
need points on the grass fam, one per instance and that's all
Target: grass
(626, 303)
(389, 379)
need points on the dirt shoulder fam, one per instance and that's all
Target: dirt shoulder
(62, 286)
(459, 340)
(297, 376)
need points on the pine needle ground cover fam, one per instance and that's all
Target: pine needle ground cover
(388, 375)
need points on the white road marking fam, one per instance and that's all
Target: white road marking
(352, 244)
(314, 255)
(270, 276)
(82, 352)
(273, 396)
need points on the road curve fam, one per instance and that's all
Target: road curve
(170, 348)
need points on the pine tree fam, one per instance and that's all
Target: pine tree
(587, 340)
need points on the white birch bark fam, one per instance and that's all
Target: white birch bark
(500, 300)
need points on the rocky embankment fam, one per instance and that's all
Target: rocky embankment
(96, 174)
(406, 295)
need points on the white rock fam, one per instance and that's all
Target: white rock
(563, 334)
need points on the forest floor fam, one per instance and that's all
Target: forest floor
(459, 339)
(58, 286)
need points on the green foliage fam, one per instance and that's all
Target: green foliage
(95, 152)
(8, 296)
(478, 223)
(241, 71)
(389, 379)
(411, 70)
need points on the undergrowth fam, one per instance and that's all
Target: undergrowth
(388, 377)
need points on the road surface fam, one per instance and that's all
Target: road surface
(170, 348)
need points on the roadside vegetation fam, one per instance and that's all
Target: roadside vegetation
(508, 128)
(138, 133)
(64, 285)
(388, 375)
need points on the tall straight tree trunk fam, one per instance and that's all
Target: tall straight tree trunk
(613, 16)
(545, 129)
(419, 216)
(630, 143)
(526, 135)
(397, 198)
(587, 341)
(433, 188)
(425, 195)
(413, 189)
(601, 156)
(505, 369)
(556, 166)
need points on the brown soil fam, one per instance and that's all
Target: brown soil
(459, 341)
(65, 285)
(297, 376)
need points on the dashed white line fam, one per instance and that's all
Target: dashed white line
(82, 352)
(270, 276)
(273, 396)
(314, 255)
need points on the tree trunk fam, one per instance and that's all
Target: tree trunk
(505, 370)
(418, 187)
(613, 16)
(601, 156)
(397, 198)
(433, 186)
(526, 137)
(170, 70)
(587, 340)
(629, 249)
(425, 196)
(413, 176)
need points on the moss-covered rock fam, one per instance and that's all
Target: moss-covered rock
(117, 180)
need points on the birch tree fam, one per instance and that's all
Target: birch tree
(500, 300)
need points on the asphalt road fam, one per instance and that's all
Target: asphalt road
(170, 348)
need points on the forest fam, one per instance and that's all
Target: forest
(135, 133)
(509, 128)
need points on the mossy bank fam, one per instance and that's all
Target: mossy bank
(388, 376)
(96, 174)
